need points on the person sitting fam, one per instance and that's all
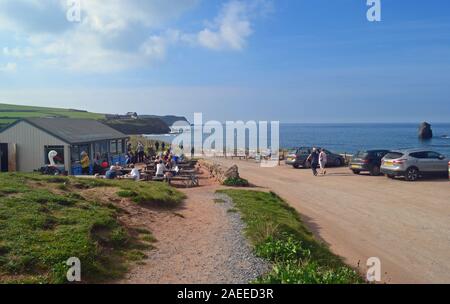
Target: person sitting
(135, 174)
(118, 168)
(111, 173)
(160, 169)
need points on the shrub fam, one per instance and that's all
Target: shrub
(236, 182)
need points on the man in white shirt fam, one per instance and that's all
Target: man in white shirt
(160, 169)
(135, 174)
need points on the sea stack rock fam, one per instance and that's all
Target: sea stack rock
(425, 131)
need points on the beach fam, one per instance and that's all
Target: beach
(406, 225)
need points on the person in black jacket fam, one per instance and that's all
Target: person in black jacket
(313, 159)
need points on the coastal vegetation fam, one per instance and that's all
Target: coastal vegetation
(45, 220)
(236, 182)
(278, 235)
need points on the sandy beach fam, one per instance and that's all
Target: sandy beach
(406, 225)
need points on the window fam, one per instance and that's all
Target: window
(113, 146)
(76, 150)
(59, 158)
(101, 148)
(433, 155)
(304, 151)
(393, 155)
(120, 146)
(419, 155)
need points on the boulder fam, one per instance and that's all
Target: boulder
(232, 172)
(425, 131)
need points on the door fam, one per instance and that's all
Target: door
(437, 163)
(3, 157)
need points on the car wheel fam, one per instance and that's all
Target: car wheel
(296, 166)
(338, 162)
(356, 172)
(375, 171)
(412, 174)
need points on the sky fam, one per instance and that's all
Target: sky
(285, 60)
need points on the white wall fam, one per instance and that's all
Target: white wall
(31, 143)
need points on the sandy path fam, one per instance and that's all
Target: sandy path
(406, 225)
(198, 243)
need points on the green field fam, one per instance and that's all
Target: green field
(11, 113)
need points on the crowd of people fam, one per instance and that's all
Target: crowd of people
(165, 162)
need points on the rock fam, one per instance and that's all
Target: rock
(232, 172)
(425, 131)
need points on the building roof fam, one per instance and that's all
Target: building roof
(74, 131)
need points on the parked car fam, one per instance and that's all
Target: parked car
(414, 163)
(368, 161)
(298, 158)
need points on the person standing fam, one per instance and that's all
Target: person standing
(157, 146)
(140, 152)
(323, 161)
(313, 159)
(85, 163)
(163, 146)
(97, 164)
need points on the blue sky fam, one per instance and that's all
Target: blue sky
(287, 60)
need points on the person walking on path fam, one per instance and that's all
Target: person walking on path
(313, 159)
(323, 161)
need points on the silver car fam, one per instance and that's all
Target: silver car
(414, 163)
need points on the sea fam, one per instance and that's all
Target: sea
(352, 137)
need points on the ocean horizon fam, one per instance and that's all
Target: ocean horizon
(352, 137)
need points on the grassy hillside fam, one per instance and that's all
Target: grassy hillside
(138, 126)
(11, 113)
(44, 220)
(147, 124)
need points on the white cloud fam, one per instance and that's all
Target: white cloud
(116, 34)
(233, 26)
(18, 52)
(10, 67)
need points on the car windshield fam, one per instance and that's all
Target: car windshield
(361, 154)
(393, 155)
(293, 151)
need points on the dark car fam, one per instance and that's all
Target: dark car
(298, 158)
(368, 161)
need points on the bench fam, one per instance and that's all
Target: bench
(188, 180)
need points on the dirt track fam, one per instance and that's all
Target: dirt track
(406, 225)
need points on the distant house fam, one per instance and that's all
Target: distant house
(132, 115)
(34, 138)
